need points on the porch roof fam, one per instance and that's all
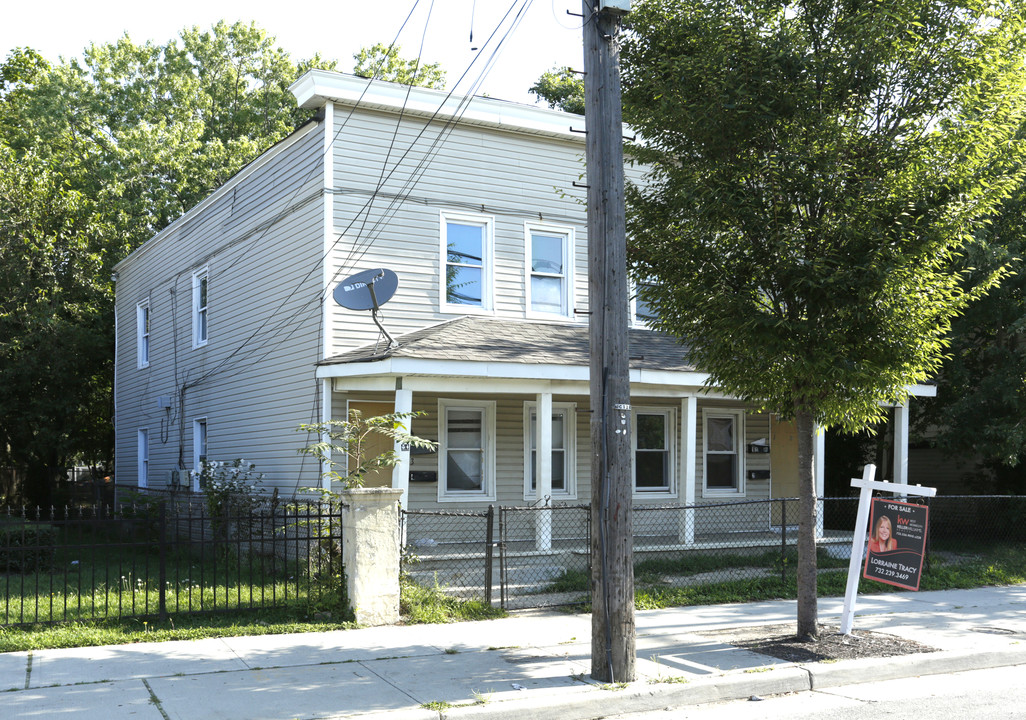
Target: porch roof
(493, 340)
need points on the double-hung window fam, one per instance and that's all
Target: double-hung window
(142, 334)
(550, 270)
(722, 433)
(466, 456)
(642, 312)
(564, 454)
(466, 253)
(652, 440)
(143, 457)
(199, 308)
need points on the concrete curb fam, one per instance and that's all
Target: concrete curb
(647, 697)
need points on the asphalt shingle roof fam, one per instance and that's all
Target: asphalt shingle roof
(479, 339)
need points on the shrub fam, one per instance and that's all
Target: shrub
(26, 547)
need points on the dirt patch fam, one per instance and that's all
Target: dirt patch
(779, 641)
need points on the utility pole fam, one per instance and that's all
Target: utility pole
(612, 566)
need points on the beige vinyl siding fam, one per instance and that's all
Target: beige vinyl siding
(259, 237)
(509, 178)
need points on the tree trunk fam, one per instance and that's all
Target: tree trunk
(808, 612)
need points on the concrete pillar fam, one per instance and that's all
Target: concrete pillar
(370, 553)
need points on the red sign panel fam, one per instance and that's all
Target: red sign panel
(897, 543)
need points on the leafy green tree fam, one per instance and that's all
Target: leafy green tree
(562, 89)
(96, 155)
(812, 168)
(977, 414)
(382, 62)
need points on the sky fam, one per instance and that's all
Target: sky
(546, 37)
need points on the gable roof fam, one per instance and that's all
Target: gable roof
(492, 340)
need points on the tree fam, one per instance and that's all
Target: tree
(812, 168)
(96, 155)
(382, 62)
(562, 89)
(978, 412)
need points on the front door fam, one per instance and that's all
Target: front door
(783, 466)
(375, 444)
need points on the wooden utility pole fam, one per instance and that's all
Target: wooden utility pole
(612, 565)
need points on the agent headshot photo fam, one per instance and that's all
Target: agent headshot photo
(881, 540)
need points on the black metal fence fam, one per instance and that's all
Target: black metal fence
(167, 557)
(543, 554)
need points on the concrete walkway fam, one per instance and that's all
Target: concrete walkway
(528, 666)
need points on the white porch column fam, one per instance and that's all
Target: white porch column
(401, 470)
(901, 443)
(688, 462)
(819, 472)
(326, 392)
(543, 467)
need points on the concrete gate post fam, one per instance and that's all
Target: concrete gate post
(370, 553)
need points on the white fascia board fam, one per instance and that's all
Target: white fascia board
(318, 86)
(923, 390)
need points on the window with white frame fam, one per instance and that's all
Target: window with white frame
(564, 453)
(199, 449)
(466, 453)
(652, 441)
(466, 253)
(142, 333)
(642, 312)
(143, 457)
(199, 308)
(550, 270)
(722, 433)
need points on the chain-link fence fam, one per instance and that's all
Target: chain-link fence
(534, 556)
(451, 551)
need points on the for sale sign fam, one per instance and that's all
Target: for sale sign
(897, 543)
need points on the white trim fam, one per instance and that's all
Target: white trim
(200, 312)
(142, 450)
(200, 450)
(317, 86)
(142, 334)
(635, 321)
(738, 416)
(567, 274)
(670, 441)
(327, 227)
(569, 412)
(487, 225)
(488, 439)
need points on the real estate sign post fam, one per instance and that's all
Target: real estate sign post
(867, 485)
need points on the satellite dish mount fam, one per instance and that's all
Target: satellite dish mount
(369, 290)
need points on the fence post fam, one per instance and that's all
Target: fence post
(783, 540)
(162, 591)
(370, 553)
(489, 537)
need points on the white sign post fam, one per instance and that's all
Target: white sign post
(858, 541)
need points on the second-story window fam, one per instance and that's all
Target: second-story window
(466, 248)
(550, 262)
(199, 308)
(142, 331)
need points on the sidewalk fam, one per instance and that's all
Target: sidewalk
(534, 665)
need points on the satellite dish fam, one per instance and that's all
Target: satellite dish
(367, 290)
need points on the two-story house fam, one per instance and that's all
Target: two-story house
(229, 337)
